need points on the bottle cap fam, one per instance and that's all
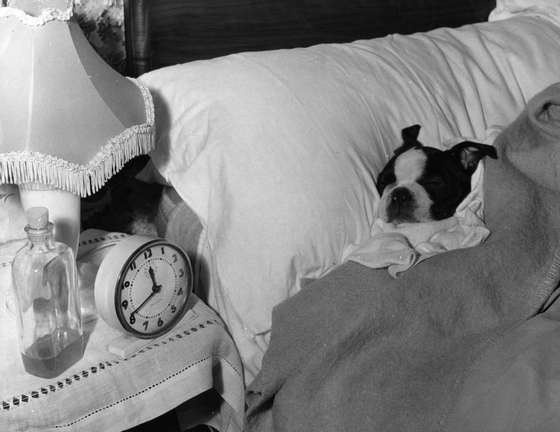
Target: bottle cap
(37, 217)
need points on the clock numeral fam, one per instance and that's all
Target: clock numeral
(145, 324)
(147, 253)
(174, 257)
(173, 308)
(159, 322)
(124, 304)
(125, 284)
(162, 250)
(132, 319)
(181, 272)
(180, 292)
(132, 265)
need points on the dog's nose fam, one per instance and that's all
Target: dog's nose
(401, 195)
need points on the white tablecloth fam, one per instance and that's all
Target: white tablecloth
(104, 392)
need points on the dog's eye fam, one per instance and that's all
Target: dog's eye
(385, 178)
(434, 182)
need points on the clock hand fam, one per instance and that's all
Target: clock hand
(152, 275)
(144, 302)
(155, 289)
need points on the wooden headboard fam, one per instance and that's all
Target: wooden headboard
(165, 32)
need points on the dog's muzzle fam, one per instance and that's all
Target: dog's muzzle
(401, 205)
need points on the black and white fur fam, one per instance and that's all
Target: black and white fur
(421, 183)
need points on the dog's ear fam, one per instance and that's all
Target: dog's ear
(469, 154)
(410, 134)
(410, 139)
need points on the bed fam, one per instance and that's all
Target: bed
(268, 159)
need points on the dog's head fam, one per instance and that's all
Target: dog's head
(422, 183)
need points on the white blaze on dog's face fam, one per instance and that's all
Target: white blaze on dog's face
(405, 200)
(421, 183)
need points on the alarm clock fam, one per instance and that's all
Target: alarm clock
(143, 285)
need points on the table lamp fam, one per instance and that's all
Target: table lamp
(68, 121)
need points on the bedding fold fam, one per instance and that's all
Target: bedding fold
(360, 351)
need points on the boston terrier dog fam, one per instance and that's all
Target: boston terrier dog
(422, 184)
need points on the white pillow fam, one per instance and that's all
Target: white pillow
(277, 151)
(12, 216)
(504, 9)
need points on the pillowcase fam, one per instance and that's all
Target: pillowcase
(277, 151)
(12, 216)
(504, 9)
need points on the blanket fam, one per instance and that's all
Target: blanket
(464, 341)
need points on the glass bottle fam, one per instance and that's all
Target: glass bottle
(46, 288)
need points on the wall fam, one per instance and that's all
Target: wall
(103, 23)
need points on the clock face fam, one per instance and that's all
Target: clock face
(153, 288)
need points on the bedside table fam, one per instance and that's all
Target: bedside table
(105, 392)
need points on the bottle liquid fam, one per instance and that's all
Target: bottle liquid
(45, 281)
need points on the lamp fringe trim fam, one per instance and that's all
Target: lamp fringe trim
(47, 15)
(34, 167)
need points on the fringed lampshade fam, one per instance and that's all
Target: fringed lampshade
(67, 119)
